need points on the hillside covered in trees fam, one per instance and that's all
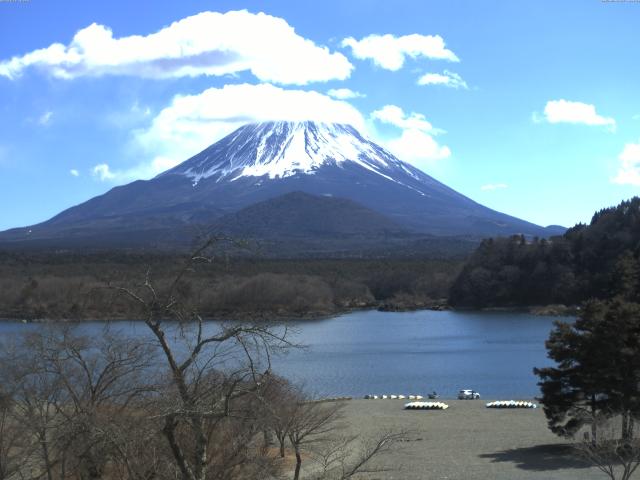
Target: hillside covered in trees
(598, 260)
(75, 286)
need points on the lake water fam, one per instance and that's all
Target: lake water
(372, 352)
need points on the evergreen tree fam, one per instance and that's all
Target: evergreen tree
(597, 368)
(599, 260)
(625, 278)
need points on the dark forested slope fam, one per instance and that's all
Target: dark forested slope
(48, 285)
(589, 261)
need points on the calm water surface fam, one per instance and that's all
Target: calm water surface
(401, 353)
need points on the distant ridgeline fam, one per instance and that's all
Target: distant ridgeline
(598, 260)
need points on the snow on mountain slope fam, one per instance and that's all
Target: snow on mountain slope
(283, 149)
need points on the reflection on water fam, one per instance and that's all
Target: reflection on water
(402, 353)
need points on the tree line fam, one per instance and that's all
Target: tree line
(70, 285)
(595, 261)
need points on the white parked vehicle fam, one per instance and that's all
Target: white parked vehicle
(468, 395)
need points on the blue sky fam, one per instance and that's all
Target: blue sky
(531, 108)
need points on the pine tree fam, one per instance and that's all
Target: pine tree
(597, 368)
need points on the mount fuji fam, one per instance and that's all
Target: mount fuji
(277, 180)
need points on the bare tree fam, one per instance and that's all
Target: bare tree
(315, 428)
(35, 395)
(345, 457)
(138, 450)
(72, 398)
(99, 379)
(613, 452)
(280, 399)
(12, 439)
(209, 372)
(310, 424)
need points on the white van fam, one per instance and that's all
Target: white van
(468, 395)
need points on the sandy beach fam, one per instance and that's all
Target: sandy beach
(468, 441)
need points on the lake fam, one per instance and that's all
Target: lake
(372, 352)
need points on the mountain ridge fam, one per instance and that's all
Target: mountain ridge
(299, 214)
(261, 161)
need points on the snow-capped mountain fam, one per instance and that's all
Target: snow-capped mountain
(278, 150)
(258, 162)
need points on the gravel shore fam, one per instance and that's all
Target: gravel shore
(468, 441)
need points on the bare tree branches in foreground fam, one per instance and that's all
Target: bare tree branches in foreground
(185, 399)
(612, 452)
(213, 376)
(345, 457)
(11, 439)
(315, 431)
(80, 407)
(74, 399)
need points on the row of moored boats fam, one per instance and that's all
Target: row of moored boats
(444, 406)
(511, 404)
(417, 404)
(393, 397)
(426, 406)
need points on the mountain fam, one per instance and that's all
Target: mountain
(296, 224)
(262, 161)
(301, 215)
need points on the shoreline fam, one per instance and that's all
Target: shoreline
(277, 317)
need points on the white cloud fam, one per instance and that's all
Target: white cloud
(75, 173)
(142, 171)
(208, 43)
(389, 52)
(447, 79)
(629, 171)
(493, 186)
(193, 122)
(415, 144)
(565, 111)
(45, 118)
(394, 115)
(418, 148)
(344, 93)
(103, 172)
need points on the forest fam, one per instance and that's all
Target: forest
(594, 261)
(74, 286)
